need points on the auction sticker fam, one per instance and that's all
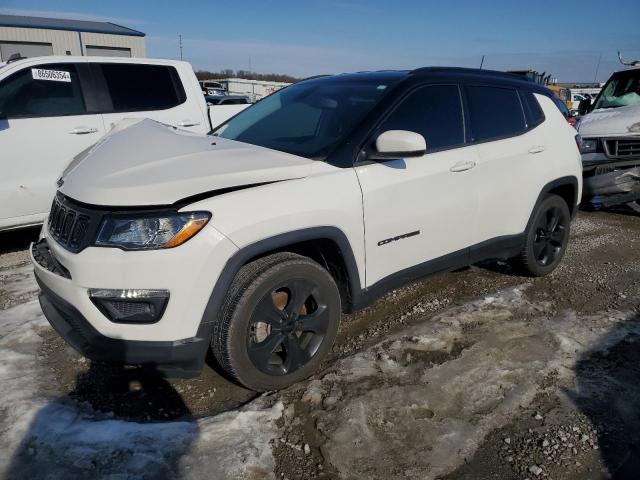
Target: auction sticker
(51, 75)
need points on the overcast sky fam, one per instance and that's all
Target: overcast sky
(307, 37)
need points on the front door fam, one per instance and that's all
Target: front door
(419, 210)
(43, 125)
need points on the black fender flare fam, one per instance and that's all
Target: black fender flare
(261, 247)
(558, 182)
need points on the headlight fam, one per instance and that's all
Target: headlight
(140, 232)
(589, 145)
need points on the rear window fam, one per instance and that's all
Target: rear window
(532, 110)
(495, 112)
(137, 88)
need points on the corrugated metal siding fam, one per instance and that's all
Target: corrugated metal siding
(136, 44)
(63, 41)
(60, 40)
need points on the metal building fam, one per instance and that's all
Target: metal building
(36, 36)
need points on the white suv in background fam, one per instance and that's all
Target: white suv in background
(251, 241)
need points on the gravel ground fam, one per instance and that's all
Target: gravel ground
(480, 373)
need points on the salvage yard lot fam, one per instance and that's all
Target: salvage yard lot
(480, 373)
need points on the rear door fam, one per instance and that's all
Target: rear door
(43, 125)
(420, 209)
(147, 91)
(511, 148)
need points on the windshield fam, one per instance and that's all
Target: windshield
(621, 91)
(307, 119)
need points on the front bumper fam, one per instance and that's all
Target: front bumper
(177, 343)
(609, 182)
(181, 359)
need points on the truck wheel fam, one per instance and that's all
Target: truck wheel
(635, 205)
(278, 321)
(547, 237)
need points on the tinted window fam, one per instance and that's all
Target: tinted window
(142, 87)
(435, 112)
(308, 118)
(494, 112)
(46, 91)
(532, 110)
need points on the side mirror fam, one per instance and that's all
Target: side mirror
(400, 143)
(584, 106)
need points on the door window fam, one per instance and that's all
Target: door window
(43, 91)
(495, 112)
(139, 88)
(435, 112)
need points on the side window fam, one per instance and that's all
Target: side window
(51, 90)
(495, 112)
(138, 88)
(433, 111)
(532, 110)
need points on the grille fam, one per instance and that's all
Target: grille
(624, 148)
(128, 309)
(71, 226)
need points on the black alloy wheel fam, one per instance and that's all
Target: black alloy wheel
(278, 321)
(550, 233)
(287, 327)
(547, 237)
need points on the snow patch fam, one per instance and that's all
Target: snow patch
(59, 438)
(417, 404)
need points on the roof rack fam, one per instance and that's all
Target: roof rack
(495, 73)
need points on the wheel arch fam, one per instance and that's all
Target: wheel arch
(328, 246)
(564, 187)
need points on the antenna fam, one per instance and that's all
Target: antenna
(180, 38)
(595, 76)
(481, 62)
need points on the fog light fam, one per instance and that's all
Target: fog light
(130, 306)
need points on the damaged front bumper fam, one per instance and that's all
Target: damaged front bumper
(612, 185)
(610, 180)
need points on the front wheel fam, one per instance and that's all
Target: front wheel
(279, 320)
(547, 238)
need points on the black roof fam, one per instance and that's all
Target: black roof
(449, 73)
(20, 21)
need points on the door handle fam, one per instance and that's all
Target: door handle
(83, 130)
(462, 166)
(188, 123)
(536, 149)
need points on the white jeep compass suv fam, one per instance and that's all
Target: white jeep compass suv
(250, 241)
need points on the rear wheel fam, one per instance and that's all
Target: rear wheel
(278, 321)
(547, 238)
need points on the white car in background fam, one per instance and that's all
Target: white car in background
(53, 108)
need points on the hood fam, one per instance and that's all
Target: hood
(611, 121)
(144, 162)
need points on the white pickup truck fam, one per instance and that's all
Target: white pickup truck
(53, 108)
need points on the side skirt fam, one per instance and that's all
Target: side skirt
(501, 248)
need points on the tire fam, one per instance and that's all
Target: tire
(279, 320)
(547, 238)
(635, 205)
